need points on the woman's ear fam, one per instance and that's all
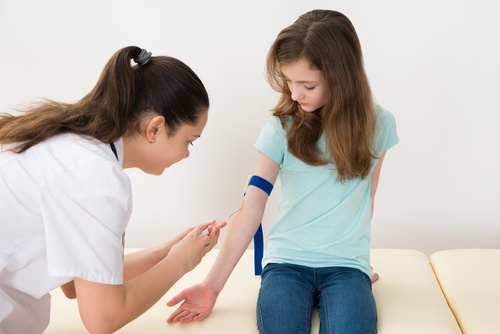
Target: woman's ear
(154, 127)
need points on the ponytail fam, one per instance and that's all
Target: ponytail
(123, 95)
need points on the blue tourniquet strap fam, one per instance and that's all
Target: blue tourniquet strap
(258, 250)
(261, 183)
(258, 238)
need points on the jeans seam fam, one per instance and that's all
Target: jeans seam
(309, 314)
(259, 321)
(326, 312)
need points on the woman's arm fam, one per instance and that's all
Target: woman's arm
(69, 290)
(106, 308)
(199, 300)
(136, 263)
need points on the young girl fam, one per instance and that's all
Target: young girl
(326, 140)
(66, 200)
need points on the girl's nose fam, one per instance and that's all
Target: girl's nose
(296, 94)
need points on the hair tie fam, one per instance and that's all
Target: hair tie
(143, 58)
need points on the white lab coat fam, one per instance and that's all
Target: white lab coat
(64, 206)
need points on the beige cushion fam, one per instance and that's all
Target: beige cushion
(408, 300)
(470, 280)
(408, 296)
(234, 311)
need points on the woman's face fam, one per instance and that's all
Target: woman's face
(305, 83)
(156, 150)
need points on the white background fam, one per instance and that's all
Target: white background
(433, 64)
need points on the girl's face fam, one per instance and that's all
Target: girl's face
(156, 150)
(305, 83)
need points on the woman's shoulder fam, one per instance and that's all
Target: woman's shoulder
(73, 150)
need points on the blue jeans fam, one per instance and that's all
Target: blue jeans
(289, 293)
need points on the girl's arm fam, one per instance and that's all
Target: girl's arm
(243, 225)
(375, 178)
(198, 301)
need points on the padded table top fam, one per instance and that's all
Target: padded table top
(470, 280)
(408, 298)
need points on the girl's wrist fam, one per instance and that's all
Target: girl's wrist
(212, 286)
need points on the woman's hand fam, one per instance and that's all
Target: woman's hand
(192, 244)
(208, 227)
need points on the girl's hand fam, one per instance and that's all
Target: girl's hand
(375, 276)
(198, 302)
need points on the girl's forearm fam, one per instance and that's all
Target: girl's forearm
(239, 234)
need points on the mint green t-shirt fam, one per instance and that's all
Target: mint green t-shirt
(321, 221)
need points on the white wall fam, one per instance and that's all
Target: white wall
(434, 64)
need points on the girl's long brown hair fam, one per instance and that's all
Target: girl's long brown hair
(328, 41)
(122, 97)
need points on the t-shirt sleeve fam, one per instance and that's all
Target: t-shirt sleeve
(272, 140)
(85, 214)
(386, 135)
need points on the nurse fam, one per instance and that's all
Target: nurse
(65, 199)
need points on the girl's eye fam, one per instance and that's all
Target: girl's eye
(191, 143)
(310, 88)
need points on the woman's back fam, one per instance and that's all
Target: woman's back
(50, 180)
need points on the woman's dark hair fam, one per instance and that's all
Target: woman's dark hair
(124, 95)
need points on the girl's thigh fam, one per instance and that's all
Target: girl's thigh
(286, 300)
(346, 303)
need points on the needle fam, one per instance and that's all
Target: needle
(232, 214)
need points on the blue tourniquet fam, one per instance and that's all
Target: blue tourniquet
(258, 238)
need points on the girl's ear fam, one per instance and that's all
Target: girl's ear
(154, 127)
